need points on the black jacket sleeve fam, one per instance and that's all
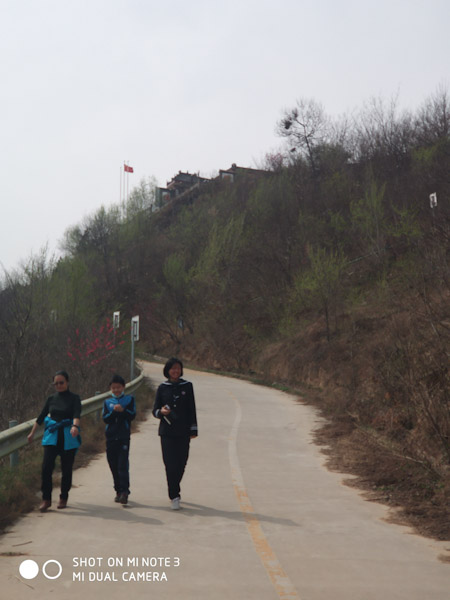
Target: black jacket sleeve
(158, 403)
(76, 407)
(44, 412)
(192, 413)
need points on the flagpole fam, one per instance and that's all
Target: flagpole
(123, 181)
(126, 171)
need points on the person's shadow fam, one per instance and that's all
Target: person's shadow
(113, 513)
(190, 509)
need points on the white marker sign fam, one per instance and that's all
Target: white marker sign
(116, 319)
(135, 328)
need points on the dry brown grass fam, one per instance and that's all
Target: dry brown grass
(382, 385)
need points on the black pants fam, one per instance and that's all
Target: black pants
(48, 464)
(175, 451)
(117, 453)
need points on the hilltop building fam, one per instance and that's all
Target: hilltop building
(178, 186)
(184, 184)
(231, 173)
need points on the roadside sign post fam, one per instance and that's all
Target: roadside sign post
(134, 338)
(433, 205)
(116, 323)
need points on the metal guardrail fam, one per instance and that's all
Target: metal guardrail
(16, 437)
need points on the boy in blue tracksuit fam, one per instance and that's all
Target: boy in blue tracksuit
(118, 412)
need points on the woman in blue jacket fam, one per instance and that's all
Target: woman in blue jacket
(61, 416)
(175, 407)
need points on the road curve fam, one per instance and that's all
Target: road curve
(261, 519)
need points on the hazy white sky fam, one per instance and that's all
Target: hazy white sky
(173, 85)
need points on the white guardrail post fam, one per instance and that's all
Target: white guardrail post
(16, 437)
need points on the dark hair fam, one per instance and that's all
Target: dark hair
(63, 374)
(169, 364)
(117, 379)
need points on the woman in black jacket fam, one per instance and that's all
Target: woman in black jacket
(175, 407)
(61, 414)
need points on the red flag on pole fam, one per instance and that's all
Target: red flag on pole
(128, 169)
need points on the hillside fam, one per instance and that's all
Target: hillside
(327, 273)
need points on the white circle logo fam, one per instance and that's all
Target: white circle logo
(28, 569)
(52, 576)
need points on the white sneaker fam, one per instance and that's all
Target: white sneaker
(176, 503)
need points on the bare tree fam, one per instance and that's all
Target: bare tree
(25, 319)
(305, 127)
(433, 120)
(381, 131)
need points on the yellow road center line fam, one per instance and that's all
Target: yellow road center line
(280, 581)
